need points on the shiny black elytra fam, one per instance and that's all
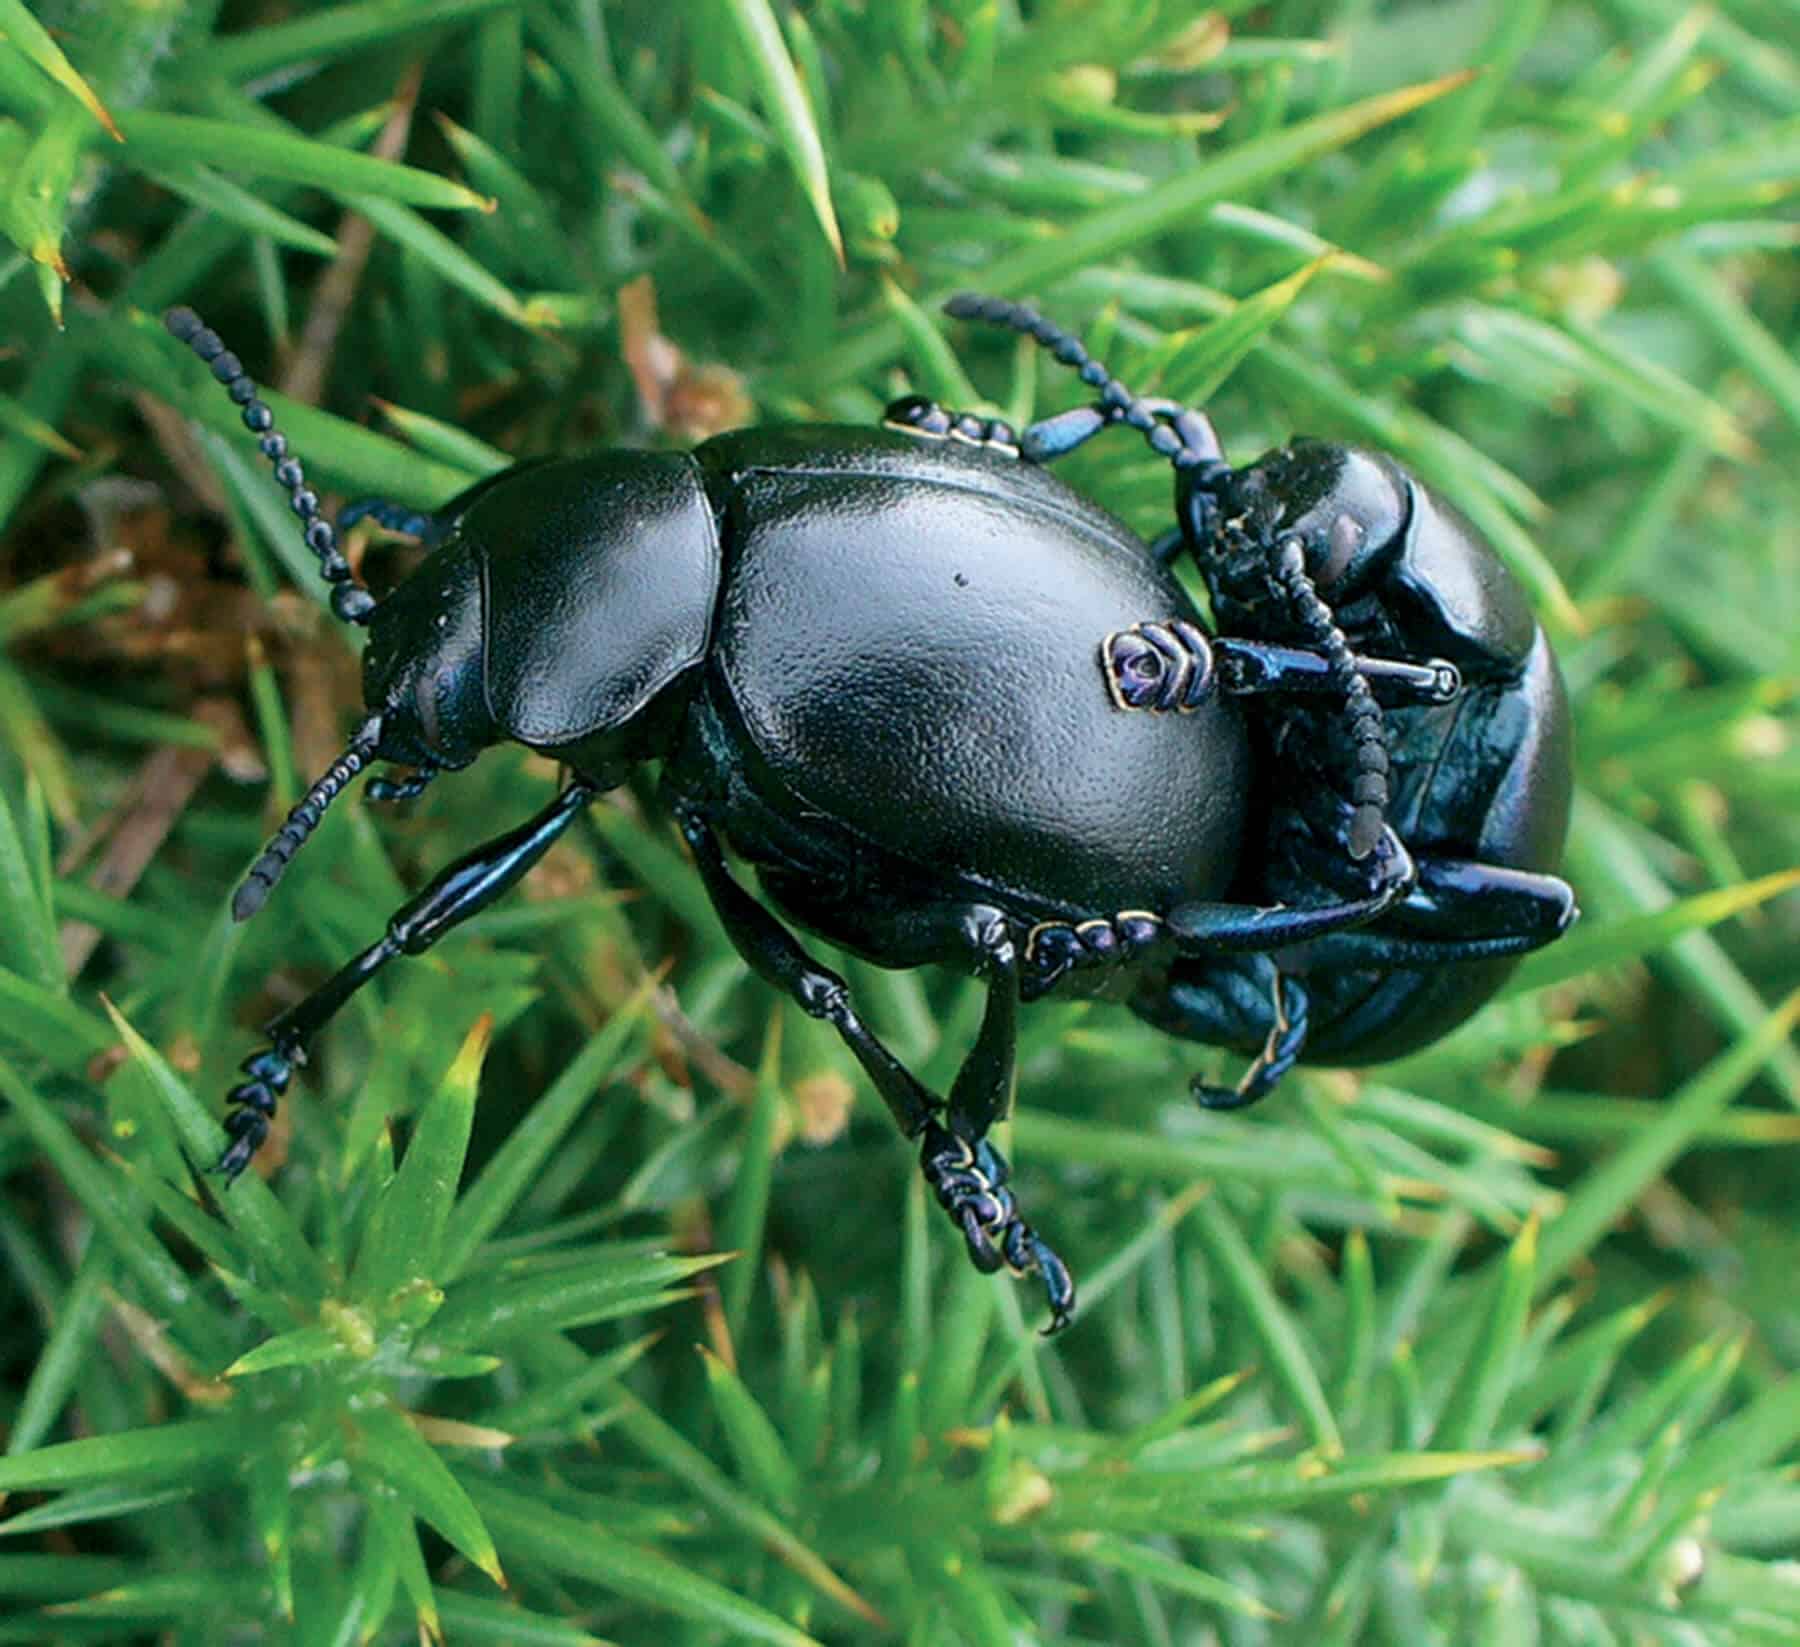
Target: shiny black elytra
(951, 712)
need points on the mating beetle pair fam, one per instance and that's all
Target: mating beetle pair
(954, 713)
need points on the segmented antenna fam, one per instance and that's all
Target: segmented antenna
(1187, 439)
(350, 601)
(269, 868)
(1369, 788)
(1176, 432)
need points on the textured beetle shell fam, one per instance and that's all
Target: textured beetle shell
(599, 596)
(908, 638)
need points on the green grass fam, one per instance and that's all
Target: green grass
(1494, 1345)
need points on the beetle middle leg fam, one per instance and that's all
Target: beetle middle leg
(966, 1173)
(464, 888)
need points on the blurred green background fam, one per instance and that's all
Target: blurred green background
(1490, 1346)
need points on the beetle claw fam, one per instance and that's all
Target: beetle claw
(969, 1181)
(270, 1070)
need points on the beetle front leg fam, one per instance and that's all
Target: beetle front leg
(1478, 902)
(429, 529)
(465, 888)
(1458, 912)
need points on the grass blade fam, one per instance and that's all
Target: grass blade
(785, 102)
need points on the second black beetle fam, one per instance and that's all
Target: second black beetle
(1467, 752)
(872, 663)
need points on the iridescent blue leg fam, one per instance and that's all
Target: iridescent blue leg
(1479, 903)
(465, 888)
(1242, 1002)
(1204, 931)
(429, 529)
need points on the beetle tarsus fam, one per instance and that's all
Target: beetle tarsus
(1288, 1024)
(918, 415)
(270, 1070)
(969, 1180)
(1056, 949)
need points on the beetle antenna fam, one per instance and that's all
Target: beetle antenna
(1179, 433)
(1369, 788)
(303, 820)
(350, 601)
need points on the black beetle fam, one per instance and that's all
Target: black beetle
(891, 669)
(1340, 549)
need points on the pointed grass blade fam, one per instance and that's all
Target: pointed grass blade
(742, 1228)
(326, 35)
(1103, 235)
(1609, 1191)
(157, 1453)
(20, 421)
(586, 1549)
(405, 1236)
(174, 139)
(514, 1167)
(756, 1445)
(1167, 1503)
(28, 942)
(788, 108)
(1486, 1378)
(1269, 1321)
(29, 37)
(689, 1465)
(494, 1309)
(1199, 364)
(393, 1450)
(1614, 943)
(267, 1229)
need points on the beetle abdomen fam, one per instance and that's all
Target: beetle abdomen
(908, 638)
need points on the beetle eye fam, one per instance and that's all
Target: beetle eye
(1342, 541)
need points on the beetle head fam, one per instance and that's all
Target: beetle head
(422, 668)
(1349, 506)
